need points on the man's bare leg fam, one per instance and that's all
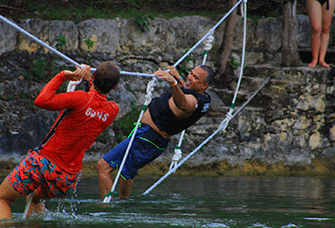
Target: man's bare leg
(125, 187)
(7, 196)
(105, 177)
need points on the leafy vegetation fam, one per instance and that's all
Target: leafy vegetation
(233, 63)
(90, 43)
(37, 70)
(78, 10)
(61, 41)
(123, 125)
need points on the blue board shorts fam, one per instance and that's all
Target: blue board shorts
(146, 147)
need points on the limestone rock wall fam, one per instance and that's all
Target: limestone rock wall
(290, 121)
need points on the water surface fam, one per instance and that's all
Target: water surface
(196, 202)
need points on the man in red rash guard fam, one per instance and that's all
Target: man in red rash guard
(53, 170)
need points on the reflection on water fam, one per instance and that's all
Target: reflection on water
(196, 202)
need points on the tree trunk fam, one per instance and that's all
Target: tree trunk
(227, 42)
(289, 42)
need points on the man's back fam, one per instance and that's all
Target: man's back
(90, 114)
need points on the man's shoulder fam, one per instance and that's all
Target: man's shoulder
(204, 96)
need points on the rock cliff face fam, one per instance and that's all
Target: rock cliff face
(291, 121)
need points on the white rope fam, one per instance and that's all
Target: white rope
(223, 125)
(150, 89)
(243, 53)
(39, 41)
(177, 153)
(208, 47)
(244, 14)
(25, 213)
(61, 54)
(72, 85)
(208, 34)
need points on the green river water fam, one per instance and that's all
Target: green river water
(195, 202)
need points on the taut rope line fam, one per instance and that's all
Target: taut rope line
(208, 34)
(61, 54)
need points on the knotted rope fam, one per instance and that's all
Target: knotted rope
(208, 47)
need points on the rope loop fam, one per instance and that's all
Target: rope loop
(175, 158)
(72, 85)
(242, 11)
(229, 116)
(209, 41)
(177, 155)
(224, 123)
(150, 89)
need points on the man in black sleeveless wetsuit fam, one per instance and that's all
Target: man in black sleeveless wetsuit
(167, 115)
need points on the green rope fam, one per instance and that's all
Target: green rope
(110, 194)
(139, 125)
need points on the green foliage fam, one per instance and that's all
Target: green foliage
(91, 12)
(133, 3)
(37, 70)
(232, 62)
(183, 70)
(90, 43)
(123, 126)
(42, 69)
(104, 137)
(275, 13)
(61, 41)
(142, 19)
(78, 11)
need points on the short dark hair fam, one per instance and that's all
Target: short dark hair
(210, 73)
(106, 77)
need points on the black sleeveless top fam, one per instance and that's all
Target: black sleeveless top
(164, 118)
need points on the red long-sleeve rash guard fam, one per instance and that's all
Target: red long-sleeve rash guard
(91, 113)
